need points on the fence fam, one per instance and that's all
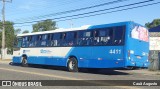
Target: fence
(154, 58)
(8, 54)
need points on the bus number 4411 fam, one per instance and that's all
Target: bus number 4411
(115, 51)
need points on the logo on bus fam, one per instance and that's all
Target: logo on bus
(45, 51)
(25, 51)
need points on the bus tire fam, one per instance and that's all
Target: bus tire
(72, 65)
(24, 62)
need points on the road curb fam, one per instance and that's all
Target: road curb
(5, 62)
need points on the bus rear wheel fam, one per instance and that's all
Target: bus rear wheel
(24, 62)
(72, 65)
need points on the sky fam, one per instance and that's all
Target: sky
(22, 11)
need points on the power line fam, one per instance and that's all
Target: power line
(110, 11)
(47, 6)
(76, 10)
(91, 11)
(103, 13)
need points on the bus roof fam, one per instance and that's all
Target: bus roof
(79, 28)
(55, 31)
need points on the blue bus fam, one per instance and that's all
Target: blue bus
(116, 45)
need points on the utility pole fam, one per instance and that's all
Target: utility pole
(3, 29)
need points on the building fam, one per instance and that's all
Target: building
(154, 56)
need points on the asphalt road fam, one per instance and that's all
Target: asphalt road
(34, 72)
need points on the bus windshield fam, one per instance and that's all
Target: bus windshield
(18, 43)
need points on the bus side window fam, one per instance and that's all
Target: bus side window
(102, 34)
(44, 40)
(110, 36)
(62, 40)
(33, 41)
(75, 42)
(103, 37)
(118, 35)
(95, 37)
(56, 39)
(24, 41)
(27, 41)
(49, 40)
(70, 38)
(52, 40)
(40, 37)
(80, 38)
(38, 41)
(86, 38)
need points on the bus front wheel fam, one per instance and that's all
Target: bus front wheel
(24, 62)
(72, 65)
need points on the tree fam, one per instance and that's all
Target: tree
(25, 31)
(9, 34)
(44, 26)
(154, 23)
(17, 31)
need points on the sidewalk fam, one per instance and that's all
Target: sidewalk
(145, 72)
(6, 61)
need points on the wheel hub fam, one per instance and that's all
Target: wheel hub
(71, 65)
